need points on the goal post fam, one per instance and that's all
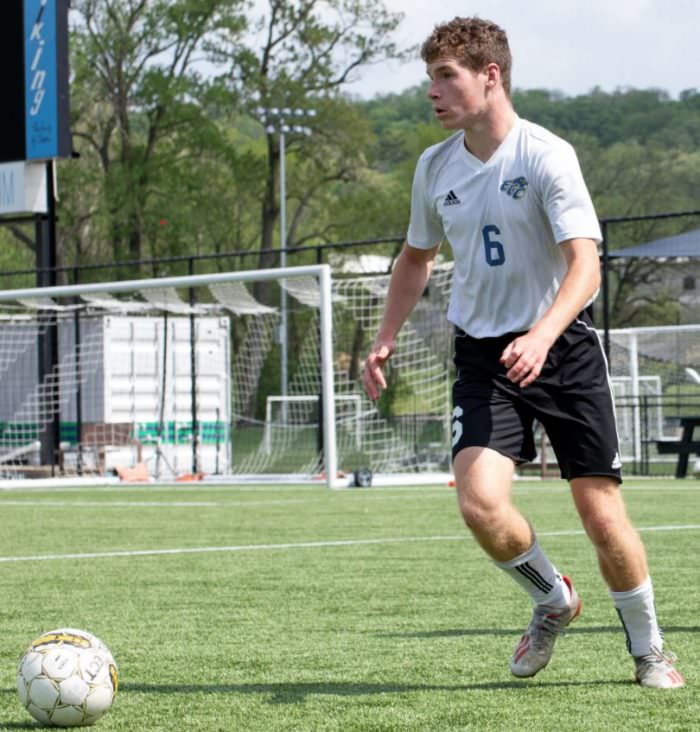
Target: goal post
(137, 341)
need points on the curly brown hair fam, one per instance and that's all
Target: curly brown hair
(474, 42)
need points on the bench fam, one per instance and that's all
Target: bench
(683, 447)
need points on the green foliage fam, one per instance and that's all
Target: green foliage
(139, 123)
(175, 157)
(298, 58)
(624, 116)
(15, 255)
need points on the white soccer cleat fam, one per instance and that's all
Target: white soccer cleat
(535, 648)
(656, 671)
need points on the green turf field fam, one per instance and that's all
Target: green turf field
(298, 608)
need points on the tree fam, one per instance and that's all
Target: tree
(139, 117)
(300, 56)
(630, 179)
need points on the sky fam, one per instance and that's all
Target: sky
(567, 45)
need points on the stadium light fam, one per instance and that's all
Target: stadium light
(284, 121)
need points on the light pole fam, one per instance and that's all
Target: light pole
(284, 121)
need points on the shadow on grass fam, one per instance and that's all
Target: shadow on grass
(592, 630)
(297, 693)
(294, 693)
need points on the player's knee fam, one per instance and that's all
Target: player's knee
(602, 529)
(478, 515)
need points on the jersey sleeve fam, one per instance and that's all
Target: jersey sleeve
(425, 226)
(566, 199)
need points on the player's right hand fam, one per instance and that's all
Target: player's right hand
(373, 375)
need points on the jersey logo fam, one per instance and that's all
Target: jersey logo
(616, 463)
(451, 199)
(515, 188)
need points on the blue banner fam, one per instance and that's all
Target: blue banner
(41, 80)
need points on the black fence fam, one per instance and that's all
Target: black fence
(195, 264)
(657, 436)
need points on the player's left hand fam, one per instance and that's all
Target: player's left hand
(524, 358)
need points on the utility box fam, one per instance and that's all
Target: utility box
(125, 388)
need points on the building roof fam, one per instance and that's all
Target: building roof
(681, 245)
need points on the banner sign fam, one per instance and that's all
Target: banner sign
(34, 52)
(40, 89)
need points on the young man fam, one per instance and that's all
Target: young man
(510, 198)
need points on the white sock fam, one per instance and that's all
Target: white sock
(638, 616)
(538, 577)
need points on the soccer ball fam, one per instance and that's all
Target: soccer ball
(67, 678)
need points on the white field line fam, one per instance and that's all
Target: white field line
(384, 494)
(314, 491)
(165, 503)
(151, 504)
(302, 545)
(156, 488)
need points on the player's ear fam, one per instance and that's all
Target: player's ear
(493, 75)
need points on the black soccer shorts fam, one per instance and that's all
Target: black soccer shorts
(571, 398)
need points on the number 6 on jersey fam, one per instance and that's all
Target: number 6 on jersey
(495, 254)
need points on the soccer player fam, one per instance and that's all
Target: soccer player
(510, 198)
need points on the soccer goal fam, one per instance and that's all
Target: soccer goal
(168, 374)
(183, 375)
(655, 383)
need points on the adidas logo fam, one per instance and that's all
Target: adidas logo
(616, 463)
(451, 199)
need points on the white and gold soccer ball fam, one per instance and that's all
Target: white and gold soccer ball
(67, 678)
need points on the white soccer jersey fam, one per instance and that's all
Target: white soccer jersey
(504, 219)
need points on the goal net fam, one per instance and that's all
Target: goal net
(183, 376)
(655, 380)
(163, 376)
